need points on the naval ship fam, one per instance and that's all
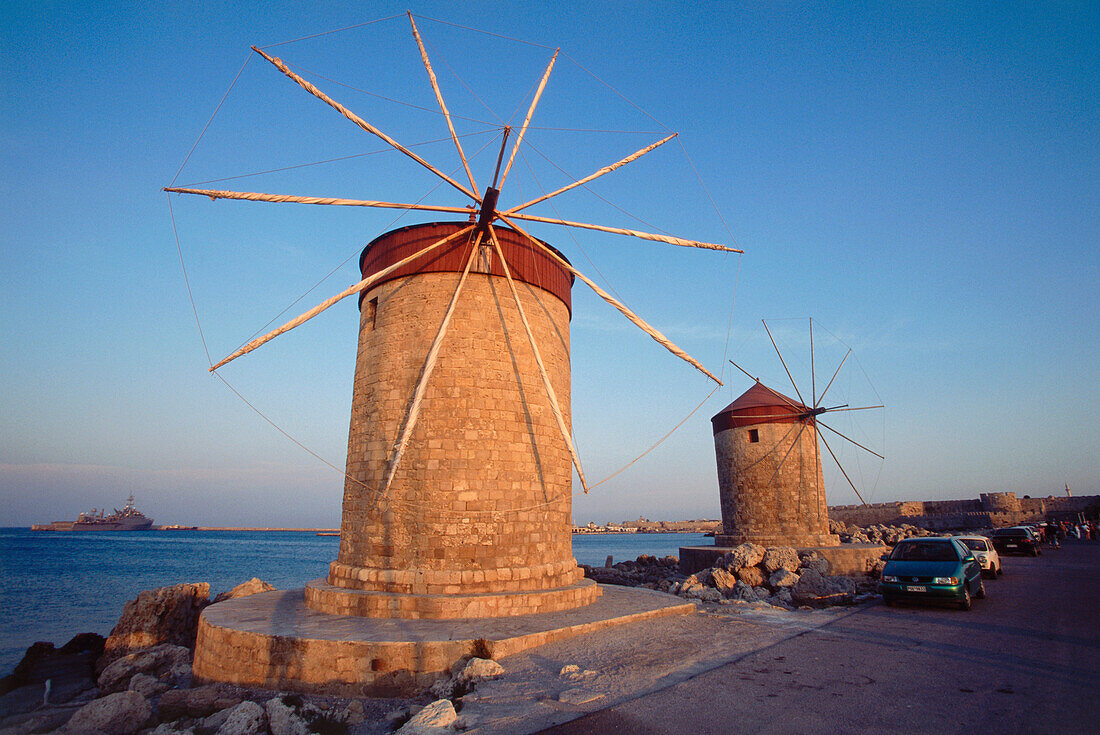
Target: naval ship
(127, 519)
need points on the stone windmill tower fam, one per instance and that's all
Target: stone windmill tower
(770, 484)
(769, 472)
(458, 485)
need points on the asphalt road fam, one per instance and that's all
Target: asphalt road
(1024, 660)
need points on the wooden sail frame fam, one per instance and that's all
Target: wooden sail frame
(484, 214)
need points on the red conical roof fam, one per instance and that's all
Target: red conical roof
(759, 405)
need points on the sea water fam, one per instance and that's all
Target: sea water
(58, 584)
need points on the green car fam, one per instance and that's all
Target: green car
(932, 570)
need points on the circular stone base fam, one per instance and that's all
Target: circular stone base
(273, 641)
(326, 598)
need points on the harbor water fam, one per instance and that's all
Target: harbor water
(57, 585)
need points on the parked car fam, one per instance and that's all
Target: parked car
(932, 569)
(983, 551)
(1015, 540)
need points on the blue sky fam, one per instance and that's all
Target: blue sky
(921, 179)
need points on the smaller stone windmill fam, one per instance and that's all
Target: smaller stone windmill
(770, 482)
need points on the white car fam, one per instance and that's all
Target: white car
(984, 552)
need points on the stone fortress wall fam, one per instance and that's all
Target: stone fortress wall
(989, 510)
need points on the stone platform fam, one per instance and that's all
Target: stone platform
(847, 559)
(273, 641)
(324, 597)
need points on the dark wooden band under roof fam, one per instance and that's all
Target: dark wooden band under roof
(527, 263)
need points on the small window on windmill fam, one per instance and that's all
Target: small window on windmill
(372, 311)
(754, 436)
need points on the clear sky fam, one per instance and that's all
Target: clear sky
(919, 178)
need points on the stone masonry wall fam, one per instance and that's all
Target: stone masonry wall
(990, 510)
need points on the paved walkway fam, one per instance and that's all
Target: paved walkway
(1026, 660)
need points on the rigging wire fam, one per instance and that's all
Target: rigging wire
(729, 323)
(594, 130)
(421, 108)
(186, 280)
(212, 116)
(335, 30)
(572, 235)
(594, 193)
(462, 81)
(483, 32)
(703, 186)
(626, 99)
(659, 441)
(335, 160)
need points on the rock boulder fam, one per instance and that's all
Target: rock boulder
(745, 555)
(813, 587)
(121, 713)
(283, 719)
(70, 670)
(752, 576)
(437, 717)
(479, 669)
(198, 702)
(782, 578)
(246, 718)
(167, 662)
(163, 615)
(147, 686)
(723, 581)
(244, 589)
(780, 557)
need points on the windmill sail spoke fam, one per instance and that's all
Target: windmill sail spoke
(425, 375)
(842, 467)
(853, 441)
(619, 306)
(554, 405)
(255, 196)
(361, 286)
(439, 98)
(813, 373)
(622, 231)
(838, 367)
(278, 64)
(527, 120)
(605, 170)
(746, 372)
(800, 398)
(855, 408)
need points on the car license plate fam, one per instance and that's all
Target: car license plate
(1010, 546)
(915, 588)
